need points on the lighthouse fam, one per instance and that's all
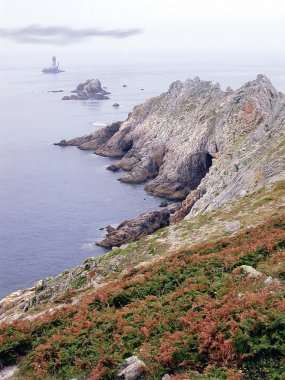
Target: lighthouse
(54, 61)
(54, 69)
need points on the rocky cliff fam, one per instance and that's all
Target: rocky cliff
(198, 142)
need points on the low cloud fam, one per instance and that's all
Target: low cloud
(58, 35)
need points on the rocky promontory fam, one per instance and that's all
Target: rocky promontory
(91, 89)
(145, 224)
(198, 142)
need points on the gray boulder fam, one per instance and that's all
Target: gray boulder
(133, 369)
(250, 272)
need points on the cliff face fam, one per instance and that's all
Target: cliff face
(199, 142)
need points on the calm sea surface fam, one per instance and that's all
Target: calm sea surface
(53, 200)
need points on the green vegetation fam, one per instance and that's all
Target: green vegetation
(190, 314)
(263, 201)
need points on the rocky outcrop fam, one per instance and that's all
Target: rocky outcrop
(95, 140)
(145, 224)
(200, 143)
(91, 89)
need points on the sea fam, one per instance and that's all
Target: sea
(54, 201)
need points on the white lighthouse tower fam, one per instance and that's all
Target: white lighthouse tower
(54, 61)
(54, 69)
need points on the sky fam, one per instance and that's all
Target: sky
(205, 29)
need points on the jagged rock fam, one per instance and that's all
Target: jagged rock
(163, 204)
(91, 89)
(39, 285)
(110, 229)
(95, 140)
(112, 168)
(134, 369)
(250, 271)
(199, 143)
(62, 143)
(131, 230)
(187, 205)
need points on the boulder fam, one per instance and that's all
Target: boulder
(133, 369)
(39, 285)
(249, 271)
(8, 373)
(271, 281)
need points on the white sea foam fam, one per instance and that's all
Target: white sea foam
(99, 124)
(88, 245)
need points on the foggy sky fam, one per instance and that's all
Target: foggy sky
(191, 27)
(59, 35)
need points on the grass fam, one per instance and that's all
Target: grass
(263, 201)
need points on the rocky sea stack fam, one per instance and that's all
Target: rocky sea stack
(91, 89)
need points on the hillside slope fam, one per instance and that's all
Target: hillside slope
(211, 311)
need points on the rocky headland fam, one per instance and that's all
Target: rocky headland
(145, 224)
(198, 143)
(91, 89)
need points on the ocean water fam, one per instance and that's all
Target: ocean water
(53, 201)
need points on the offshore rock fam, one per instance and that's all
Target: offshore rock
(200, 144)
(91, 89)
(131, 230)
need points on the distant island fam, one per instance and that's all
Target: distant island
(91, 89)
(54, 68)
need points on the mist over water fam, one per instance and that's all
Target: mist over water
(54, 200)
